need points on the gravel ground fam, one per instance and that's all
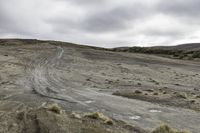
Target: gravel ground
(84, 78)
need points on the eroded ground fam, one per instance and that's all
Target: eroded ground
(84, 79)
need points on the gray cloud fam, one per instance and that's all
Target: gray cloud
(187, 11)
(114, 19)
(105, 23)
(189, 8)
(108, 21)
(87, 2)
(6, 23)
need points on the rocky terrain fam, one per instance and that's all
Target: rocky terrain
(139, 89)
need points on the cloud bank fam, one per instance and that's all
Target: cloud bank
(105, 23)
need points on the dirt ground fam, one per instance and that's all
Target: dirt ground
(148, 90)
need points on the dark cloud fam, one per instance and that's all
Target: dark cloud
(108, 21)
(170, 33)
(116, 19)
(189, 8)
(97, 22)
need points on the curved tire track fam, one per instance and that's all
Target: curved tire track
(46, 82)
(42, 78)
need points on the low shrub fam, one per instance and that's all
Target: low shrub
(100, 116)
(166, 129)
(55, 108)
(138, 92)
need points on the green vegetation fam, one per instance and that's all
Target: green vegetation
(175, 53)
(196, 54)
(150, 50)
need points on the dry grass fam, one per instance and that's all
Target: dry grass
(166, 129)
(100, 116)
(55, 108)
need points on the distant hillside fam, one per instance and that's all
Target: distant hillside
(183, 51)
(187, 47)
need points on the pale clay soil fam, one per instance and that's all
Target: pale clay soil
(83, 79)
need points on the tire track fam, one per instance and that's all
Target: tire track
(43, 81)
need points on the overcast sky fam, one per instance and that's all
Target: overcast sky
(105, 23)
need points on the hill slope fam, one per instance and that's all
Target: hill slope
(186, 47)
(141, 89)
(184, 51)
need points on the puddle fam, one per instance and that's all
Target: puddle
(134, 117)
(89, 101)
(155, 111)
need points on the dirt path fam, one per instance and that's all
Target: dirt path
(43, 80)
(46, 82)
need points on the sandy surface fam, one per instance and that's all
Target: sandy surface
(84, 79)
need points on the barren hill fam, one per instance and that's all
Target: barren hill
(140, 89)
